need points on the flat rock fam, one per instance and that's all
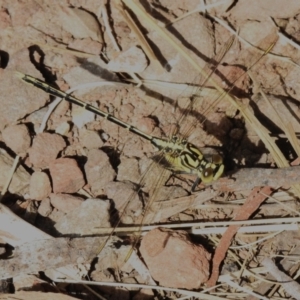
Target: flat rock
(19, 184)
(40, 186)
(260, 10)
(98, 170)
(65, 202)
(86, 45)
(173, 260)
(45, 149)
(25, 99)
(17, 138)
(84, 219)
(90, 139)
(66, 175)
(45, 208)
(128, 169)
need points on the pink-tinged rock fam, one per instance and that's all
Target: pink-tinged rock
(45, 149)
(173, 260)
(65, 202)
(98, 171)
(40, 186)
(90, 139)
(66, 176)
(17, 138)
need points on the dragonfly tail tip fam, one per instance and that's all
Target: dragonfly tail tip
(19, 74)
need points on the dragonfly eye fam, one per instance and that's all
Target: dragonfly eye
(207, 175)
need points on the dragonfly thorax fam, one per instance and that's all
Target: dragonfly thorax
(175, 146)
(182, 157)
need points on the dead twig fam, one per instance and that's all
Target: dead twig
(246, 179)
(251, 205)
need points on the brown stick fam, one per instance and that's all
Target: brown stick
(251, 204)
(247, 179)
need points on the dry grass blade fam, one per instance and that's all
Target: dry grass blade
(155, 287)
(202, 7)
(205, 228)
(143, 42)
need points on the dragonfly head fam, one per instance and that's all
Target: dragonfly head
(213, 170)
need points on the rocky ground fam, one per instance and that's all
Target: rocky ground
(79, 177)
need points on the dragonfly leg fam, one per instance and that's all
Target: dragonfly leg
(196, 182)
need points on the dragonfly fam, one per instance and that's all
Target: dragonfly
(180, 156)
(175, 153)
